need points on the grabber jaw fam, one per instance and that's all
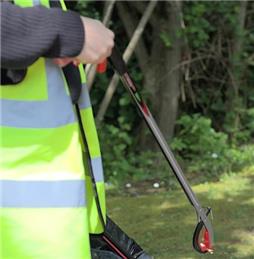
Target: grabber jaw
(203, 237)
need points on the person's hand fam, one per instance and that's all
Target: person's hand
(98, 44)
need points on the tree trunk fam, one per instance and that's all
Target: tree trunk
(162, 79)
(236, 72)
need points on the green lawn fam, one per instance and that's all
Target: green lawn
(163, 223)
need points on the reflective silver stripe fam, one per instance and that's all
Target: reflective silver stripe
(54, 112)
(36, 2)
(96, 164)
(42, 194)
(84, 99)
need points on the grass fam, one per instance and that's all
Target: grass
(163, 223)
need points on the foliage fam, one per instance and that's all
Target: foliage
(198, 26)
(123, 165)
(216, 131)
(198, 143)
(239, 157)
(207, 151)
(114, 142)
(203, 19)
(88, 8)
(219, 78)
(202, 152)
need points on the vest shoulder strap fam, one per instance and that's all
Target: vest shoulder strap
(73, 79)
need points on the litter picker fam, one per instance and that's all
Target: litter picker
(203, 234)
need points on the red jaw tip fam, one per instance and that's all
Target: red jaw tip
(205, 245)
(102, 67)
(205, 249)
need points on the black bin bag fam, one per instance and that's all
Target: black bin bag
(115, 244)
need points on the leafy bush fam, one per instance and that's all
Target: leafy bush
(207, 151)
(114, 143)
(247, 127)
(239, 157)
(122, 164)
(200, 145)
(202, 152)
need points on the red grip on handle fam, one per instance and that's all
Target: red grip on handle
(102, 67)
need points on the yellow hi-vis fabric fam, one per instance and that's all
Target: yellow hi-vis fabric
(47, 208)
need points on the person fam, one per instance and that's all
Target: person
(47, 208)
(30, 33)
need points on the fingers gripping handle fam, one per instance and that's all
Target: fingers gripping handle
(117, 62)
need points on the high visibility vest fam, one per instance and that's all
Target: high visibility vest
(47, 208)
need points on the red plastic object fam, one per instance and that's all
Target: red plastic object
(205, 245)
(102, 67)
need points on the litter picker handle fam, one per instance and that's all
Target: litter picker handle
(102, 67)
(117, 62)
(204, 228)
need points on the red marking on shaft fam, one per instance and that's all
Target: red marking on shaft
(114, 248)
(145, 108)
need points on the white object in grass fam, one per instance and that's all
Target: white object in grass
(128, 185)
(156, 185)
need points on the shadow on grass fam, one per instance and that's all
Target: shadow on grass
(163, 223)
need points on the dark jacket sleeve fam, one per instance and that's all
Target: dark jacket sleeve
(30, 33)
